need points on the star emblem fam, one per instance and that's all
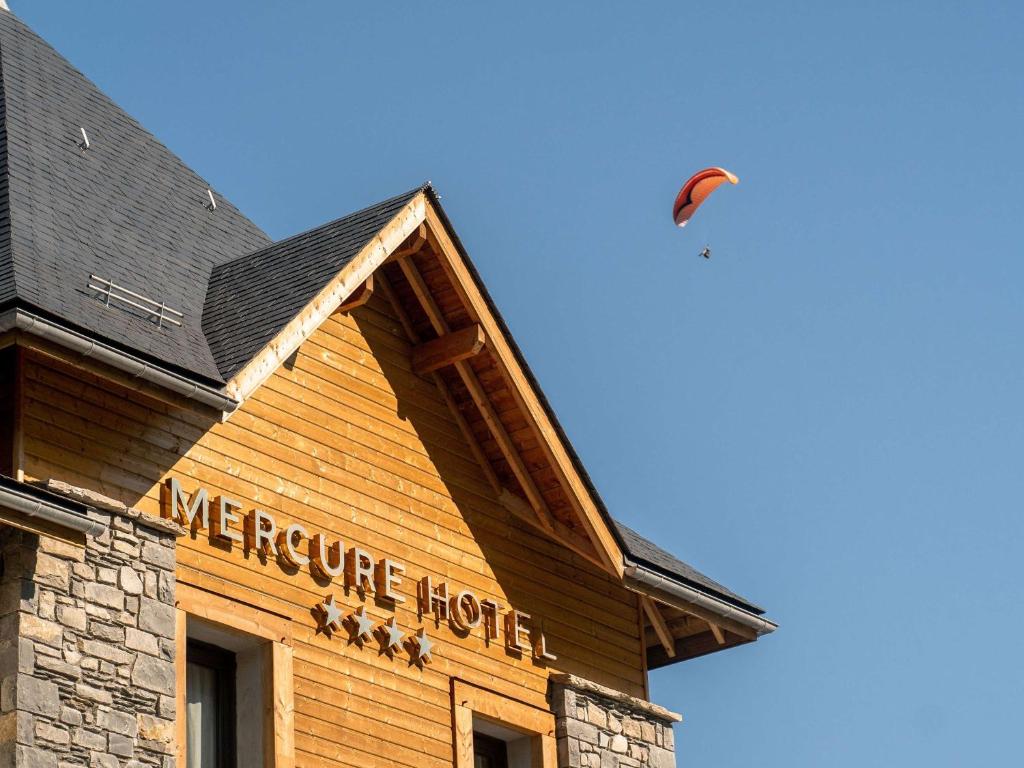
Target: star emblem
(363, 624)
(394, 634)
(330, 614)
(424, 646)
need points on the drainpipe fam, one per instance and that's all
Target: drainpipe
(694, 601)
(52, 513)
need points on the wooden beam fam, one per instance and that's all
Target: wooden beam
(411, 246)
(279, 706)
(480, 399)
(448, 349)
(526, 397)
(718, 633)
(180, 662)
(660, 627)
(359, 296)
(467, 431)
(521, 509)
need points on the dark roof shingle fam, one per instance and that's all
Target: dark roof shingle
(251, 298)
(647, 553)
(127, 210)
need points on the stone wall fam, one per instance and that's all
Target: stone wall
(597, 727)
(87, 644)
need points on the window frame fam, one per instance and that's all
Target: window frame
(535, 723)
(278, 689)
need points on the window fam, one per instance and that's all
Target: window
(489, 752)
(210, 708)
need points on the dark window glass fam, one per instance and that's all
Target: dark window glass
(210, 697)
(489, 752)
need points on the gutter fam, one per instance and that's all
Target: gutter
(694, 601)
(51, 513)
(37, 326)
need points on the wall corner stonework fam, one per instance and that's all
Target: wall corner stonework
(597, 727)
(87, 648)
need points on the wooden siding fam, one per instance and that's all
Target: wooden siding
(347, 440)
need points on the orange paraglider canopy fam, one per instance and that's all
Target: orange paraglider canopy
(696, 190)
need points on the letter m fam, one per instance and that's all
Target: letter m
(177, 507)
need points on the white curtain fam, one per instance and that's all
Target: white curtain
(201, 716)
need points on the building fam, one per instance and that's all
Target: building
(297, 502)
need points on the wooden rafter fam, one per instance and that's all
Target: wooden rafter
(416, 241)
(556, 452)
(359, 296)
(718, 633)
(480, 399)
(660, 627)
(448, 349)
(515, 504)
(460, 420)
(508, 499)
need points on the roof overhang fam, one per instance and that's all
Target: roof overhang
(32, 509)
(82, 347)
(685, 622)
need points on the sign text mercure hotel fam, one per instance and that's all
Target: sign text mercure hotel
(258, 531)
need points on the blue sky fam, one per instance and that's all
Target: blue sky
(826, 415)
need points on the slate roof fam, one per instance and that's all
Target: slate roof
(127, 210)
(253, 297)
(649, 554)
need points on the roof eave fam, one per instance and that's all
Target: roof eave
(33, 504)
(657, 586)
(19, 319)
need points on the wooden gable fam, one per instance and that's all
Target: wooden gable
(417, 266)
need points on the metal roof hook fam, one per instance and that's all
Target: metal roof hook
(212, 205)
(84, 143)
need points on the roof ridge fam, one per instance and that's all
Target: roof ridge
(252, 297)
(320, 227)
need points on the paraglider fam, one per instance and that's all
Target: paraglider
(695, 191)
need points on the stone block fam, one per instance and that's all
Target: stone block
(105, 595)
(106, 651)
(129, 581)
(111, 633)
(103, 760)
(70, 716)
(156, 617)
(52, 571)
(41, 630)
(137, 640)
(52, 733)
(34, 757)
(117, 722)
(59, 667)
(152, 728)
(72, 618)
(166, 587)
(62, 549)
(158, 555)
(120, 745)
(153, 674)
(40, 697)
(90, 693)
